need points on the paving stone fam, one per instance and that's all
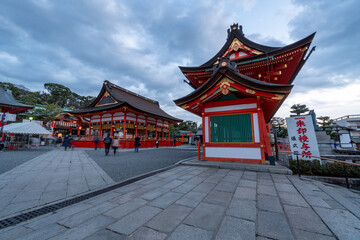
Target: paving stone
(247, 183)
(334, 204)
(317, 202)
(305, 219)
(233, 179)
(236, 229)
(214, 179)
(105, 234)
(14, 232)
(217, 197)
(242, 208)
(245, 193)
(264, 176)
(186, 177)
(173, 184)
(188, 232)
(303, 235)
(226, 186)
(133, 221)
(249, 176)
(284, 187)
(144, 233)
(123, 198)
(267, 182)
(184, 188)
(166, 200)
(269, 203)
(126, 208)
(154, 193)
(51, 218)
(266, 190)
(85, 215)
(169, 219)
(206, 216)
(196, 180)
(204, 187)
(44, 233)
(342, 223)
(86, 229)
(191, 199)
(273, 225)
(294, 199)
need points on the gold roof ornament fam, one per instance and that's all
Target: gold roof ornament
(250, 91)
(278, 97)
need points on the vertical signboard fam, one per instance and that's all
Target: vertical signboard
(302, 137)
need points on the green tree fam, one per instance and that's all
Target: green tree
(298, 109)
(325, 120)
(278, 124)
(59, 94)
(46, 113)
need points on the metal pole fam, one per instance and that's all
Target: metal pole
(298, 164)
(346, 176)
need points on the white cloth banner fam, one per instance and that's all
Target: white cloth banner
(302, 137)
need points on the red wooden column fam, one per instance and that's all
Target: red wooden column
(155, 128)
(145, 127)
(124, 129)
(136, 126)
(100, 129)
(78, 130)
(90, 127)
(111, 125)
(162, 132)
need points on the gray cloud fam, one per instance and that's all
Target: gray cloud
(139, 44)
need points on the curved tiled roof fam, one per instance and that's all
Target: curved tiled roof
(127, 98)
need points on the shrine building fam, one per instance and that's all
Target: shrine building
(238, 91)
(120, 112)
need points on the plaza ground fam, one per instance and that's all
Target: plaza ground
(185, 202)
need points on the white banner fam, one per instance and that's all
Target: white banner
(8, 117)
(302, 137)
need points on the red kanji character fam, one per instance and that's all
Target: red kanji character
(303, 138)
(301, 130)
(306, 154)
(305, 146)
(300, 123)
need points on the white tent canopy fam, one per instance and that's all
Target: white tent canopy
(26, 128)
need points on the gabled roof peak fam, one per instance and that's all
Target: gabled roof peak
(235, 27)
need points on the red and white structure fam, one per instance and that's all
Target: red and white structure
(238, 91)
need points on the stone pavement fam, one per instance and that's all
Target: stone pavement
(49, 177)
(191, 202)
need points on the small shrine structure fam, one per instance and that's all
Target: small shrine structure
(118, 111)
(238, 91)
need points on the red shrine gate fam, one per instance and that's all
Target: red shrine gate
(238, 91)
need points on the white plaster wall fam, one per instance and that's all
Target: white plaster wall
(256, 128)
(233, 152)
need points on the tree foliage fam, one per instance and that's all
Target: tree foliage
(52, 100)
(278, 125)
(186, 126)
(298, 109)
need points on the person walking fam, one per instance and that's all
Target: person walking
(157, 143)
(107, 142)
(97, 140)
(137, 143)
(115, 144)
(58, 142)
(66, 142)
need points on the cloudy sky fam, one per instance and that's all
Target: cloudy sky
(140, 44)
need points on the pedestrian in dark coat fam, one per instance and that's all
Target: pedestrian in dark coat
(66, 142)
(157, 143)
(107, 142)
(137, 144)
(97, 140)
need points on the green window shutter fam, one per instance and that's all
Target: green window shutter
(231, 128)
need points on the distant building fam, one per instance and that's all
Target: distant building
(348, 128)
